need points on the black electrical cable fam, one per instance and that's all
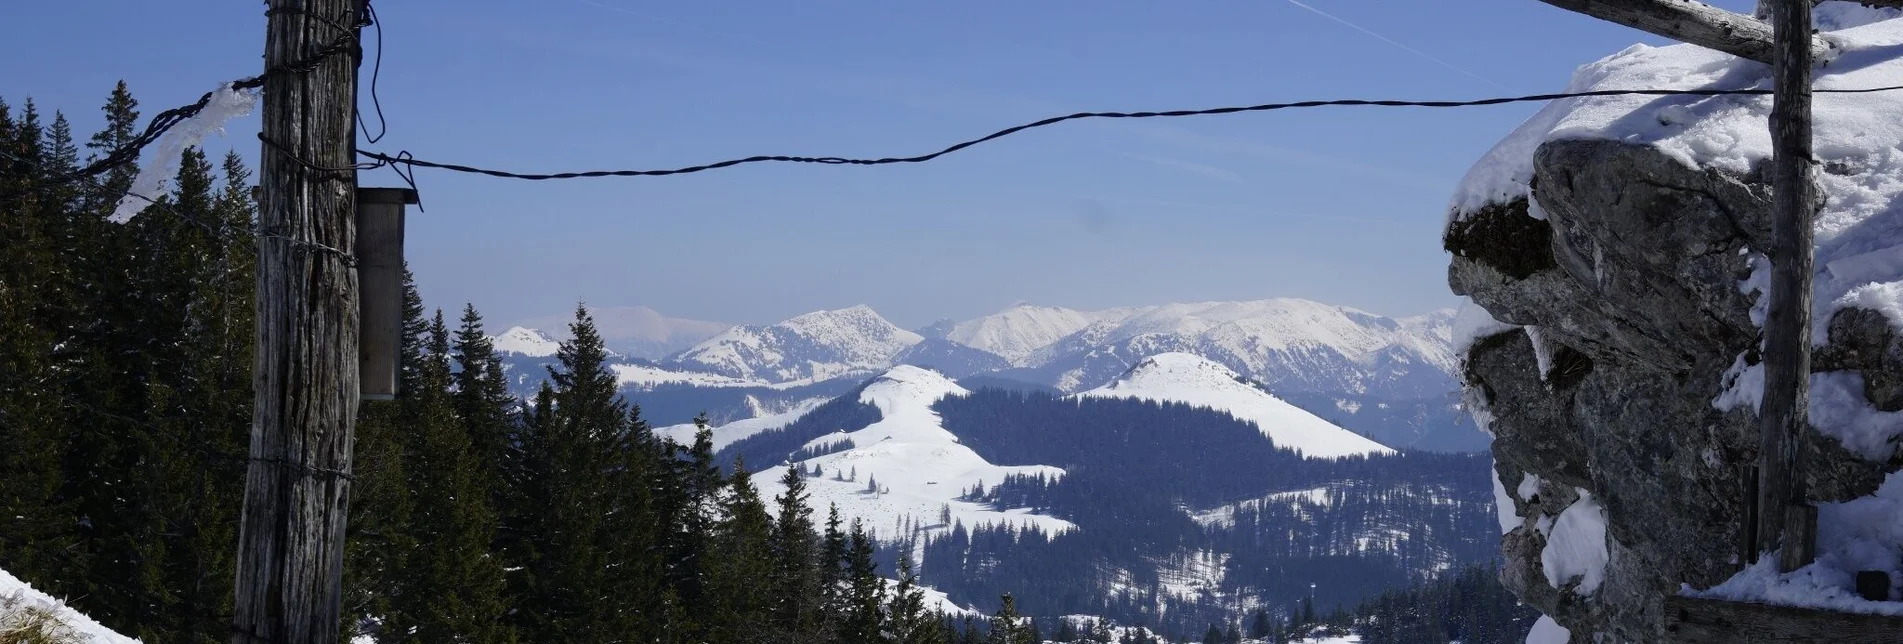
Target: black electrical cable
(404, 159)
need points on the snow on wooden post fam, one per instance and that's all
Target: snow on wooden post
(380, 288)
(1785, 520)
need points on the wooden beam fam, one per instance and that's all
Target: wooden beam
(1691, 620)
(1784, 410)
(1690, 22)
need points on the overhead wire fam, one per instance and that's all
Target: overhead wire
(405, 159)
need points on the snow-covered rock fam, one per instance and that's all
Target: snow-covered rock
(1194, 380)
(814, 346)
(1627, 235)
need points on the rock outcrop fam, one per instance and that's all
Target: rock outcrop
(1624, 268)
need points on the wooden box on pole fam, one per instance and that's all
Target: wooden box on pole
(380, 288)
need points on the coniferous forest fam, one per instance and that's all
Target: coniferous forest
(125, 410)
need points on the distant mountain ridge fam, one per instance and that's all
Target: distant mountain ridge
(814, 346)
(1386, 378)
(634, 331)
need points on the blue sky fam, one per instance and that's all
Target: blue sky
(1340, 205)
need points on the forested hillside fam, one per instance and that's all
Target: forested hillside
(1186, 514)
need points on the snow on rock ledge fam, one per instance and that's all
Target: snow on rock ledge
(1629, 231)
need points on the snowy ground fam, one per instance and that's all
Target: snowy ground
(1224, 516)
(1194, 380)
(16, 595)
(1859, 242)
(729, 433)
(919, 467)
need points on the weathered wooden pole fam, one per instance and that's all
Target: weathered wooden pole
(1786, 520)
(297, 485)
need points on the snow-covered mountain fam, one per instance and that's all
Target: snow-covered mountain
(815, 346)
(906, 470)
(1018, 332)
(1286, 344)
(524, 341)
(636, 331)
(950, 358)
(1194, 380)
(1382, 377)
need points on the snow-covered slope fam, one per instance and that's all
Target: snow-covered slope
(817, 345)
(1291, 344)
(1017, 332)
(725, 435)
(1191, 379)
(919, 468)
(17, 596)
(525, 341)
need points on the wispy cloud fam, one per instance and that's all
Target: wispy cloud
(1191, 167)
(1462, 70)
(1189, 139)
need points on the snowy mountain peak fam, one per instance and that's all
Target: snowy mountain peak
(1021, 329)
(1179, 369)
(906, 389)
(525, 341)
(812, 346)
(1194, 380)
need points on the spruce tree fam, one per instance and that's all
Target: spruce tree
(596, 561)
(907, 620)
(738, 605)
(31, 420)
(833, 553)
(865, 597)
(1066, 631)
(379, 543)
(482, 401)
(452, 589)
(1007, 626)
(794, 576)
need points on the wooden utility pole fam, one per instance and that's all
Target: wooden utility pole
(297, 485)
(1785, 519)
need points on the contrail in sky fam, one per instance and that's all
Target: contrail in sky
(1392, 41)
